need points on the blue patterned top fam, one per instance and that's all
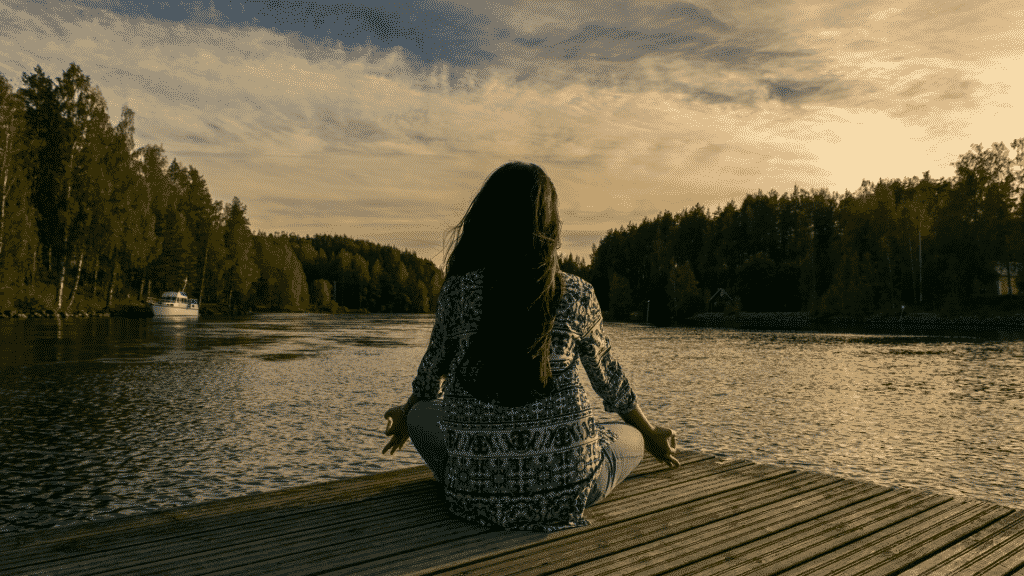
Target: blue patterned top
(527, 467)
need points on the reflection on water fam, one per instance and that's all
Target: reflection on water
(108, 416)
(940, 413)
(105, 417)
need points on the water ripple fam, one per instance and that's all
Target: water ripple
(114, 417)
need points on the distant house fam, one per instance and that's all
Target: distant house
(1006, 283)
(719, 300)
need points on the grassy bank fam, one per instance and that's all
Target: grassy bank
(40, 301)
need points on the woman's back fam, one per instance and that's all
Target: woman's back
(529, 466)
(514, 438)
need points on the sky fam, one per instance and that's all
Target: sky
(381, 120)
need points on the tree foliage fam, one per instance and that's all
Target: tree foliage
(85, 211)
(920, 241)
(18, 235)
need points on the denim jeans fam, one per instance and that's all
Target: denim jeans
(621, 456)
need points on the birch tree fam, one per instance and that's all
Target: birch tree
(83, 115)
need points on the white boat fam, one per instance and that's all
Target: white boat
(175, 304)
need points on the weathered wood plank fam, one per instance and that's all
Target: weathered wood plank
(690, 546)
(269, 504)
(360, 518)
(710, 516)
(618, 534)
(183, 545)
(357, 523)
(789, 548)
(996, 550)
(444, 535)
(905, 543)
(265, 505)
(704, 479)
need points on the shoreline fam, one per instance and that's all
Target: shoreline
(19, 315)
(144, 311)
(917, 321)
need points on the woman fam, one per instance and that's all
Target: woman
(512, 436)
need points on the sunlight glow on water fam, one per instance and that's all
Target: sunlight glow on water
(920, 411)
(108, 417)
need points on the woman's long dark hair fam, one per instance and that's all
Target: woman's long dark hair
(511, 231)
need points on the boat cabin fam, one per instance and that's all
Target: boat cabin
(174, 299)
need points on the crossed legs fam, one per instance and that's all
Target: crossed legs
(621, 455)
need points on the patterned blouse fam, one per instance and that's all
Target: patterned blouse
(527, 467)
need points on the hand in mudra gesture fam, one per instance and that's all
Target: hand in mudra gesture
(397, 429)
(661, 443)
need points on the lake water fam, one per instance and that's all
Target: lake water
(103, 417)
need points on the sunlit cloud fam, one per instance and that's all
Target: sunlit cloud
(381, 122)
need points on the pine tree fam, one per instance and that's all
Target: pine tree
(238, 244)
(44, 138)
(18, 237)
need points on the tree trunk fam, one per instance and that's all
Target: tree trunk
(110, 289)
(78, 277)
(231, 307)
(4, 189)
(3, 206)
(60, 283)
(149, 289)
(35, 257)
(202, 277)
(920, 267)
(913, 277)
(892, 283)
(96, 276)
(142, 289)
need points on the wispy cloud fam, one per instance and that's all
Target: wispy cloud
(382, 121)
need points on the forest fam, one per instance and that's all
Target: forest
(947, 245)
(89, 221)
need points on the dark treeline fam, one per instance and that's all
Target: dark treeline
(87, 218)
(944, 245)
(361, 274)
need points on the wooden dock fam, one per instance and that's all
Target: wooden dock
(709, 516)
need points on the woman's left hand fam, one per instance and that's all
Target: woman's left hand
(397, 429)
(661, 443)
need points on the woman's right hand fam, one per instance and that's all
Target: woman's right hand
(396, 428)
(661, 443)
